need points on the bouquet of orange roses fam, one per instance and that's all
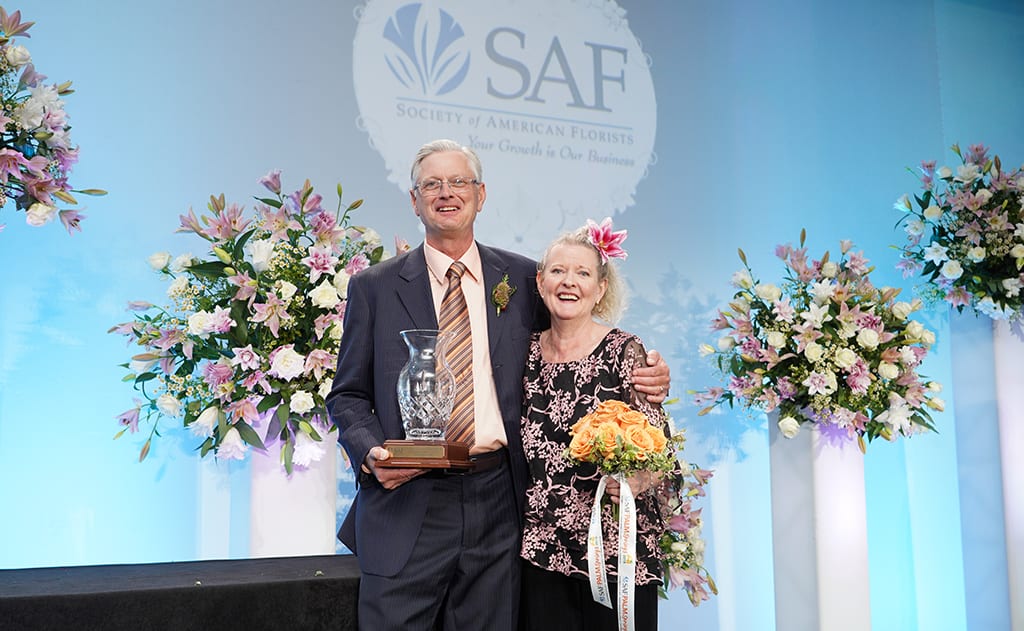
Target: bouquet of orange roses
(620, 440)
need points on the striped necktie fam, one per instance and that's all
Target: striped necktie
(454, 318)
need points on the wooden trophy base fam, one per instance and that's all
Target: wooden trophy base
(426, 454)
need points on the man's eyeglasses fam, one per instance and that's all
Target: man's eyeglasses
(433, 187)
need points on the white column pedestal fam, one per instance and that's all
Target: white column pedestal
(1008, 355)
(819, 523)
(293, 516)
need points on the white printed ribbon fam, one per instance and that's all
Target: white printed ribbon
(627, 553)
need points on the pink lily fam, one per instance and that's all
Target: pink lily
(607, 242)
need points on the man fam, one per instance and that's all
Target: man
(438, 550)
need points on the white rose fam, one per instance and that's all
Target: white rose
(830, 269)
(17, 56)
(40, 214)
(324, 389)
(867, 338)
(285, 290)
(933, 212)
(888, 371)
(726, 343)
(203, 426)
(301, 402)
(287, 364)
(952, 270)
(325, 296)
(336, 330)
(260, 251)
(776, 339)
(937, 404)
(341, 283)
(1012, 287)
(967, 173)
(927, 338)
(934, 386)
(847, 330)
(902, 310)
(976, 254)
(1017, 251)
(199, 323)
(159, 260)
(789, 426)
(768, 292)
(742, 280)
(181, 263)
(814, 351)
(168, 405)
(914, 330)
(944, 172)
(846, 357)
(914, 227)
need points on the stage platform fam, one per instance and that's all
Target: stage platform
(313, 592)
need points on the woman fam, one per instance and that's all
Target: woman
(571, 367)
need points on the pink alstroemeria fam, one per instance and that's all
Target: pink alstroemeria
(130, 419)
(257, 378)
(71, 219)
(168, 338)
(246, 357)
(216, 373)
(320, 261)
(278, 222)
(228, 223)
(11, 24)
(190, 223)
(318, 361)
(11, 162)
(246, 286)
(272, 181)
(358, 263)
(607, 241)
(244, 410)
(271, 312)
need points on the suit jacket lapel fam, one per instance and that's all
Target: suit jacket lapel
(494, 270)
(414, 292)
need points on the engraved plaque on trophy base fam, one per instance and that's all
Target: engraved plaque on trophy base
(426, 454)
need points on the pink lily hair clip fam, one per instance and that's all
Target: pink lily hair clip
(607, 242)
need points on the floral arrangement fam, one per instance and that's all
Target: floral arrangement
(251, 336)
(825, 347)
(682, 544)
(622, 441)
(966, 235)
(36, 154)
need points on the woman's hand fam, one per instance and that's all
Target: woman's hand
(638, 483)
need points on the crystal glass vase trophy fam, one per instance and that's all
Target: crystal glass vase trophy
(426, 394)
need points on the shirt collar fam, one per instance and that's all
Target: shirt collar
(438, 263)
